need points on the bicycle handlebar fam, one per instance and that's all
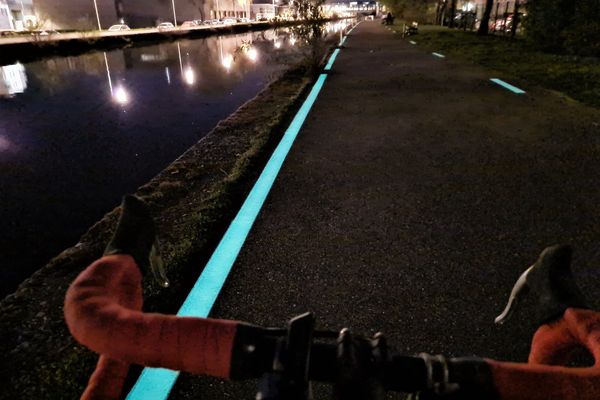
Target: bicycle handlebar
(103, 312)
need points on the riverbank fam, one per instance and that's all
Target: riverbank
(29, 48)
(576, 77)
(193, 199)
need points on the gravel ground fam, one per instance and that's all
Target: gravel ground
(415, 195)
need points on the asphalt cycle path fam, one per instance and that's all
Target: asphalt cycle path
(415, 194)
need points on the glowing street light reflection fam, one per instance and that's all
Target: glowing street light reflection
(227, 61)
(120, 95)
(277, 44)
(189, 76)
(5, 144)
(292, 40)
(252, 54)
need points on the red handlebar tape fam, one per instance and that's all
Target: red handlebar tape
(102, 311)
(107, 380)
(552, 347)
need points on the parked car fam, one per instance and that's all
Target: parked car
(198, 22)
(229, 21)
(165, 26)
(188, 24)
(119, 27)
(7, 32)
(46, 32)
(212, 22)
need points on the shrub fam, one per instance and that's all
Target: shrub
(546, 21)
(582, 37)
(564, 26)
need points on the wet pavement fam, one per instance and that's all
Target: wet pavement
(415, 195)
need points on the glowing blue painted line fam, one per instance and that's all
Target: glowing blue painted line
(156, 383)
(332, 59)
(508, 86)
(153, 384)
(412, 42)
(354, 27)
(439, 55)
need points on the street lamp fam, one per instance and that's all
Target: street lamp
(97, 16)
(174, 15)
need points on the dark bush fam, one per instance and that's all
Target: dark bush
(565, 26)
(582, 37)
(546, 22)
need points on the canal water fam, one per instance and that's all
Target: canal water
(76, 133)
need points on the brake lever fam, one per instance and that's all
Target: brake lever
(550, 283)
(135, 235)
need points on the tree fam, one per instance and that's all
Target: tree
(439, 11)
(452, 13)
(311, 30)
(484, 25)
(309, 9)
(36, 25)
(516, 20)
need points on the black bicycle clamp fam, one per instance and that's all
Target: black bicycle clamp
(438, 383)
(359, 370)
(288, 378)
(360, 367)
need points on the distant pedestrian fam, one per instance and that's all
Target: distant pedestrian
(389, 19)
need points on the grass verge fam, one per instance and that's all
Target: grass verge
(576, 77)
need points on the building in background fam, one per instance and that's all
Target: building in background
(13, 80)
(6, 23)
(81, 15)
(22, 13)
(17, 15)
(264, 10)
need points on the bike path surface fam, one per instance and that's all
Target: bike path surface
(415, 194)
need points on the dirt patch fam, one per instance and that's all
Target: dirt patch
(193, 200)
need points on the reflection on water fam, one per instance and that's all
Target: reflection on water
(76, 133)
(13, 80)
